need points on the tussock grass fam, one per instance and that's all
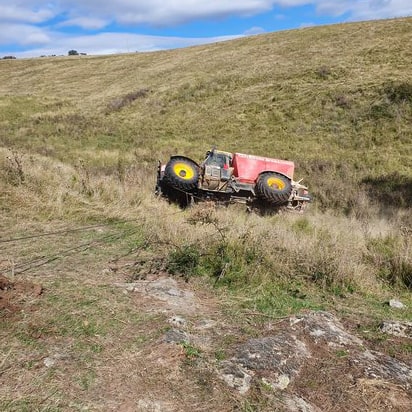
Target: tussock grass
(335, 253)
(320, 248)
(47, 188)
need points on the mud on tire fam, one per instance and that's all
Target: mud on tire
(274, 188)
(182, 173)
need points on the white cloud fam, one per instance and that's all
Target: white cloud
(24, 14)
(163, 12)
(109, 43)
(23, 35)
(305, 25)
(171, 12)
(365, 9)
(89, 23)
(254, 30)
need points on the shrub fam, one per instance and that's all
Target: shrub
(381, 110)
(184, 261)
(13, 169)
(398, 92)
(342, 101)
(390, 256)
(323, 72)
(392, 190)
(126, 100)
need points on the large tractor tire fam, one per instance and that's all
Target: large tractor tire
(274, 188)
(182, 173)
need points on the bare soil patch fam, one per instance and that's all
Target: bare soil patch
(14, 294)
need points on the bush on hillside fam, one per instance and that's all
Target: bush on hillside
(398, 92)
(391, 257)
(126, 100)
(392, 190)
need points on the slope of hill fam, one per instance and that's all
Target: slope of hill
(79, 142)
(335, 99)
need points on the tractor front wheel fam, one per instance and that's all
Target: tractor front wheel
(274, 188)
(182, 173)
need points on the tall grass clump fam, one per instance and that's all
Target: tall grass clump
(287, 255)
(43, 188)
(392, 257)
(11, 168)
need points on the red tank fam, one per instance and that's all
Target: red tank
(247, 168)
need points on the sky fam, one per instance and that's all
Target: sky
(32, 28)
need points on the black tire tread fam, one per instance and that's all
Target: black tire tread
(171, 179)
(275, 197)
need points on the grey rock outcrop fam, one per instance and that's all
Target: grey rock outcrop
(278, 360)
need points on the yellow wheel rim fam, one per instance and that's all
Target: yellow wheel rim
(184, 171)
(276, 183)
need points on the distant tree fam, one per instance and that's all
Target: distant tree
(73, 53)
(9, 57)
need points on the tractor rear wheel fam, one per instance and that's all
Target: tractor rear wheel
(182, 173)
(274, 188)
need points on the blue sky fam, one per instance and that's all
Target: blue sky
(30, 28)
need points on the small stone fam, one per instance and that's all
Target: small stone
(177, 321)
(397, 328)
(394, 303)
(236, 377)
(283, 382)
(49, 362)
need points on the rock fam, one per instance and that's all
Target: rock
(294, 403)
(176, 336)
(397, 328)
(277, 360)
(282, 382)
(324, 327)
(393, 303)
(235, 376)
(49, 362)
(149, 405)
(177, 321)
(165, 290)
(55, 358)
(305, 340)
(378, 366)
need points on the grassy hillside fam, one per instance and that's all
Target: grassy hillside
(79, 140)
(335, 99)
(80, 137)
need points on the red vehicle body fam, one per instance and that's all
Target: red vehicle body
(226, 177)
(248, 167)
